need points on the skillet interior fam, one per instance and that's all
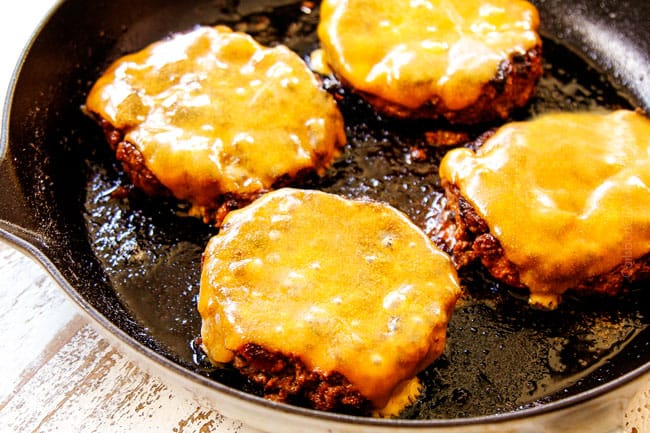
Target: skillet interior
(136, 260)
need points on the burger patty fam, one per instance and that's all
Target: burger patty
(554, 203)
(287, 379)
(510, 89)
(339, 316)
(466, 63)
(134, 166)
(195, 116)
(470, 240)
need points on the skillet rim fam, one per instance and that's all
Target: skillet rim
(34, 245)
(16, 239)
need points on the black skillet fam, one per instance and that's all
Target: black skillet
(132, 263)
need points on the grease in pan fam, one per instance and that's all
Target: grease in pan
(378, 165)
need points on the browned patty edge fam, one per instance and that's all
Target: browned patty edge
(285, 378)
(511, 88)
(471, 241)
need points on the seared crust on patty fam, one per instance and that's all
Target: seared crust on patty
(134, 165)
(471, 242)
(510, 89)
(287, 379)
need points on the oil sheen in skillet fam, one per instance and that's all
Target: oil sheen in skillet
(501, 355)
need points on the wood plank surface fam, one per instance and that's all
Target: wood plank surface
(33, 311)
(59, 374)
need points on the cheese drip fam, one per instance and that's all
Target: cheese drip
(567, 194)
(347, 286)
(418, 51)
(213, 112)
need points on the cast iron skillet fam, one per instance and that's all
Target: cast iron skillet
(132, 263)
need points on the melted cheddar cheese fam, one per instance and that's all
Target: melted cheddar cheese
(347, 286)
(213, 113)
(567, 195)
(418, 51)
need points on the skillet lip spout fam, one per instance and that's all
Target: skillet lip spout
(31, 231)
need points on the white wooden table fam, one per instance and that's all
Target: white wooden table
(59, 374)
(56, 372)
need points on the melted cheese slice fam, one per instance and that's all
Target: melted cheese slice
(566, 194)
(213, 112)
(417, 51)
(347, 286)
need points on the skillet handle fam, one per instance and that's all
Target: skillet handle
(18, 220)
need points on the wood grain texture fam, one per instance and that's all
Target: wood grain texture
(637, 415)
(89, 386)
(59, 374)
(33, 310)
